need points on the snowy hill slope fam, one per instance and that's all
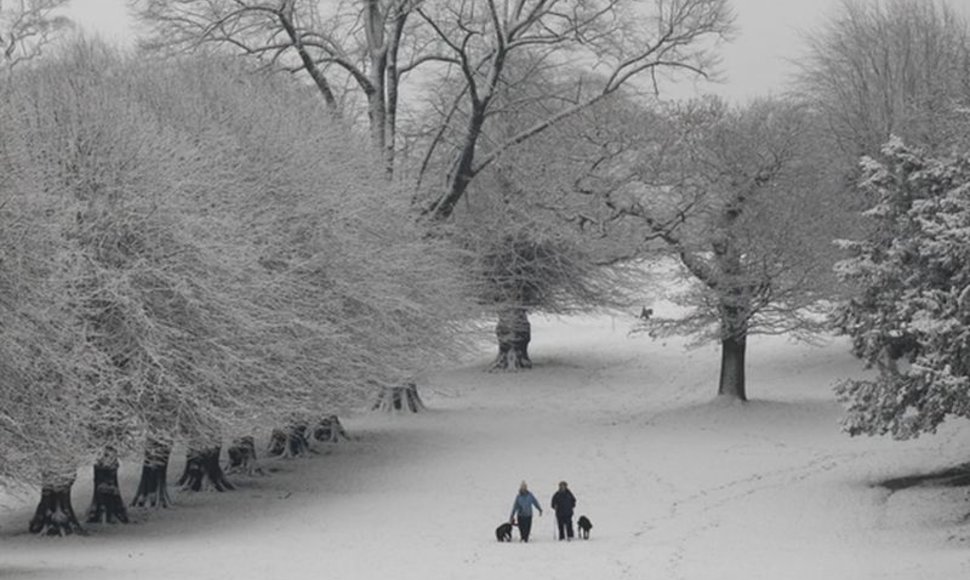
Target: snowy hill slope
(677, 484)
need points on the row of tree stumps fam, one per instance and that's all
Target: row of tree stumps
(55, 515)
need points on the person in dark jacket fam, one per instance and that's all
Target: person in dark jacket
(522, 508)
(563, 501)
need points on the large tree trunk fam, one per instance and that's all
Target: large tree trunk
(107, 505)
(202, 471)
(242, 457)
(731, 383)
(55, 515)
(735, 307)
(153, 486)
(514, 332)
(291, 441)
(330, 430)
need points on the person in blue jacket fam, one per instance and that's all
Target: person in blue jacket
(522, 508)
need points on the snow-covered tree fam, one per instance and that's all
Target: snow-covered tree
(739, 197)
(750, 216)
(524, 255)
(910, 317)
(218, 257)
(52, 378)
(523, 262)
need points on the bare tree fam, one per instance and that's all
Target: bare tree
(523, 263)
(267, 30)
(620, 42)
(27, 27)
(347, 48)
(373, 44)
(522, 252)
(882, 67)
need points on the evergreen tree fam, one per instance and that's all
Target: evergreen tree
(910, 319)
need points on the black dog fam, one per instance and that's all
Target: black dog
(503, 533)
(584, 527)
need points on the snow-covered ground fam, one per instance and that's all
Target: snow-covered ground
(678, 485)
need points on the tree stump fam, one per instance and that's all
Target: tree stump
(153, 485)
(514, 332)
(329, 430)
(107, 505)
(202, 471)
(242, 457)
(55, 515)
(289, 441)
(399, 398)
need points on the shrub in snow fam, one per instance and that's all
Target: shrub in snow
(910, 319)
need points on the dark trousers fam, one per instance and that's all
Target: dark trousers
(565, 524)
(525, 527)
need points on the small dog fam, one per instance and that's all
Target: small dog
(584, 526)
(503, 533)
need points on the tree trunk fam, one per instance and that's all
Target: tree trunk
(735, 307)
(399, 398)
(202, 471)
(464, 170)
(153, 486)
(107, 505)
(286, 20)
(242, 457)
(55, 516)
(330, 430)
(731, 383)
(289, 442)
(514, 332)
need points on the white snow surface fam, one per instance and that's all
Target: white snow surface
(678, 484)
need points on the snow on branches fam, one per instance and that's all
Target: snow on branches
(192, 250)
(910, 319)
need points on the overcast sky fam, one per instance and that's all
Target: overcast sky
(755, 64)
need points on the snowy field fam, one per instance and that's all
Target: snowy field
(678, 485)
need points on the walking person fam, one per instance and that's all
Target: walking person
(522, 509)
(563, 502)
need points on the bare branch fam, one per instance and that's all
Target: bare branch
(596, 32)
(27, 28)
